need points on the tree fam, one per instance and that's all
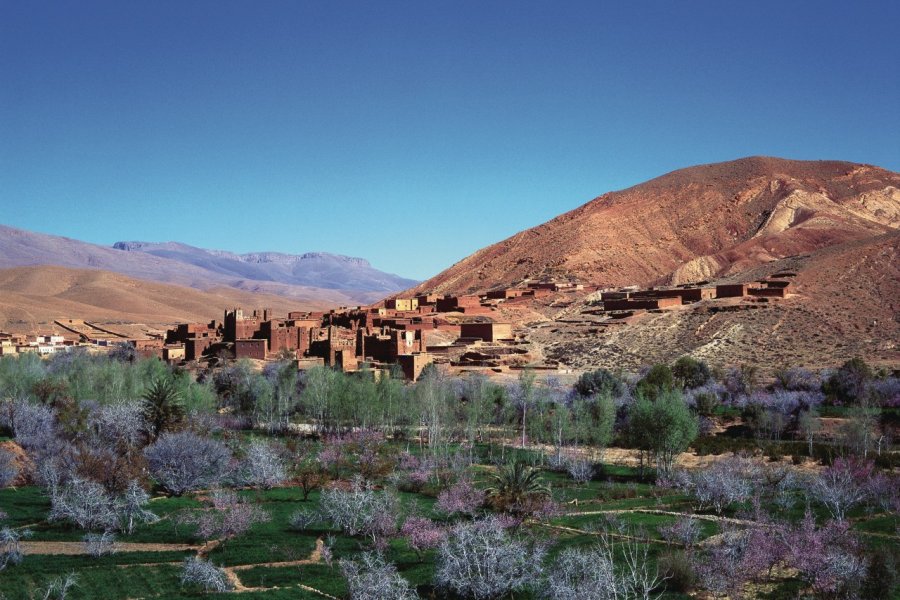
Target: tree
(609, 570)
(227, 516)
(664, 428)
(690, 373)
(422, 534)
(131, 508)
(516, 488)
(183, 461)
(162, 410)
(119, 426)
(721, 484)
(460, 498)
(84, 503)
(11, 552)
(59, 587)
(372, 578)
(482, 560)
(808, 425)
(842, 486)
(658, 380)
(362, 510)
(198, 572)
(100, 544)
(828, 558)
(262, 466)
(598, 383)
(848, 384)
(320, 385)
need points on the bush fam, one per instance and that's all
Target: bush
(690, 373)
(882, 577)
(847, 385)
(198, 572)
(656, 381)
(676, 567)
(597, 382)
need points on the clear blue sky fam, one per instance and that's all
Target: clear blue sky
(412, 133)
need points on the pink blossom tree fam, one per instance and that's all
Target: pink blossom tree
(422, 534)
(227, 517)
(461, 498)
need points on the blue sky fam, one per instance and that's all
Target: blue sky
(412, 133)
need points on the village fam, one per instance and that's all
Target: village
(462, 333)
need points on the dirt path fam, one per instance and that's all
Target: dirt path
(315, 557)
(74, 548)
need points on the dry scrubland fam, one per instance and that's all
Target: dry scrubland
(130, 479)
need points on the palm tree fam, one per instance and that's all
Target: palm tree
(162, 410)
(516, 487)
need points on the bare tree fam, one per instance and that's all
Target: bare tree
(720, 484)
(263, 466)
(100, 544)
(182, 462)
(580, 471)
(842, 486)
(84, 503)
(482, 560)
(11, 546)
(58, 589)
(372, 578)
(120, 425)
(196, 571)
(362, 511)
(131, 507)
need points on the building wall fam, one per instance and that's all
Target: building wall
(412, 364)
(731, 290)
(255, 349)
(489, 332)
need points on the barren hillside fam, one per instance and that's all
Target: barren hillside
(697, 223)
(846, 302)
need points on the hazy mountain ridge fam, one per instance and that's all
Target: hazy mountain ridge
(316, 276)
(320, 269)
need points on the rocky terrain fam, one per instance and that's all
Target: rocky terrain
(845, 303)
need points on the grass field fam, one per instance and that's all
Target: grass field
(274, 561)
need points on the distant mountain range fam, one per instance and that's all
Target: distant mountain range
(314, 269)
(316, 277)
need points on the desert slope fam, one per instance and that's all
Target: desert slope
(697, 223)
(35, 296)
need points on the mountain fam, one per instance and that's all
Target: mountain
(322, 278)
(319, 269)
(697, 223)
(33, 297)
